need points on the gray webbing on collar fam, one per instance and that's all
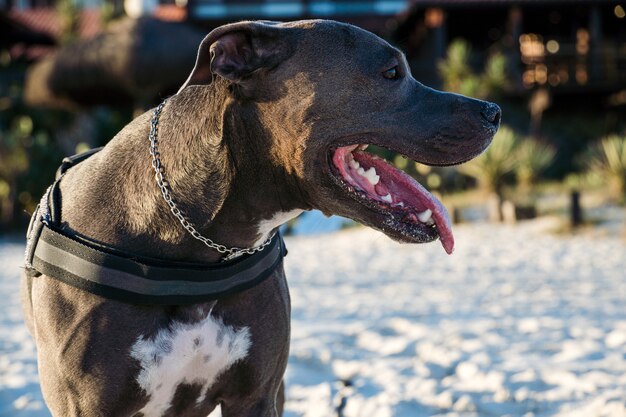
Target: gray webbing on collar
(140, 282)
(114, 274)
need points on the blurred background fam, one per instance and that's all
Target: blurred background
(73, 72)
(517, 323)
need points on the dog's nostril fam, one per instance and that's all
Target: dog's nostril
(492, 113)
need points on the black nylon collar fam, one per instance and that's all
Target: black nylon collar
(143, 281)
(121, 276)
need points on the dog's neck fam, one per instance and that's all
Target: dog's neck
(217, 161)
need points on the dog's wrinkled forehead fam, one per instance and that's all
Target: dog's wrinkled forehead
(344, 66)
(240, 51)
(336, 41)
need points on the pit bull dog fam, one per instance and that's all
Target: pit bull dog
(274, 119)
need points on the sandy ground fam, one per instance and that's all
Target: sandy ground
(517, 322)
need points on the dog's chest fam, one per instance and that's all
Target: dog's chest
(184, 360)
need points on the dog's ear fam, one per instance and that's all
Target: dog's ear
(237, 50)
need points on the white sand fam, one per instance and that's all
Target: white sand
(515, 323)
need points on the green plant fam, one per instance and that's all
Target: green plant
(458, 76)
(29, 153)
(499, 160)
(69, 17)
(455, 70)
(110, 11)
(13, 163)
(608, 160)
(493, 80)
(533, 157)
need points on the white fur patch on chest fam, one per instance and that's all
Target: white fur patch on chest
(186, 353)
(266, 226)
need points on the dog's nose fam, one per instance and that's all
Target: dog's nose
(492, 113)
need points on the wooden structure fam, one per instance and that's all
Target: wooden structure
(369, 14)
(572, 46)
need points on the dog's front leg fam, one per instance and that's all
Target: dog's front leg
(263, 407)
(261, 397)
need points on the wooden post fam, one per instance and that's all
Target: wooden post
(595, 44)
(575, 209)
(457, 217)
(494, 208)
(514, 30)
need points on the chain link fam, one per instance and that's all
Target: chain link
(164, 186)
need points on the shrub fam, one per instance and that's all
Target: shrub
(499, 160)
(69, 18)
(458, 76)
(608, 160)
(533, 157)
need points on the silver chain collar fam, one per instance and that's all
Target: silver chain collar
(163, 184)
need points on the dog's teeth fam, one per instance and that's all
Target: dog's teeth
(371, 176)
(387, 198)
(425, 215)
(361, 171)
(354, 164)
(430, 222)
(363, 147)
(400, 204)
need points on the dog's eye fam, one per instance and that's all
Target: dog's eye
(392, 73)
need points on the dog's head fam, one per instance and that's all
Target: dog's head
(323, 91)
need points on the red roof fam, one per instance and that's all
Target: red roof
(170, 13)
(45, 19)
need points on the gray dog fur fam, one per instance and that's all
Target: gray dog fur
(245, 144)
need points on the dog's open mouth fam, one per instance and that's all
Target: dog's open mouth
(409, 208)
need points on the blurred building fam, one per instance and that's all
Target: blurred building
(369, 14)
(572, 46)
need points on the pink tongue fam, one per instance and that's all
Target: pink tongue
(400, 185)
